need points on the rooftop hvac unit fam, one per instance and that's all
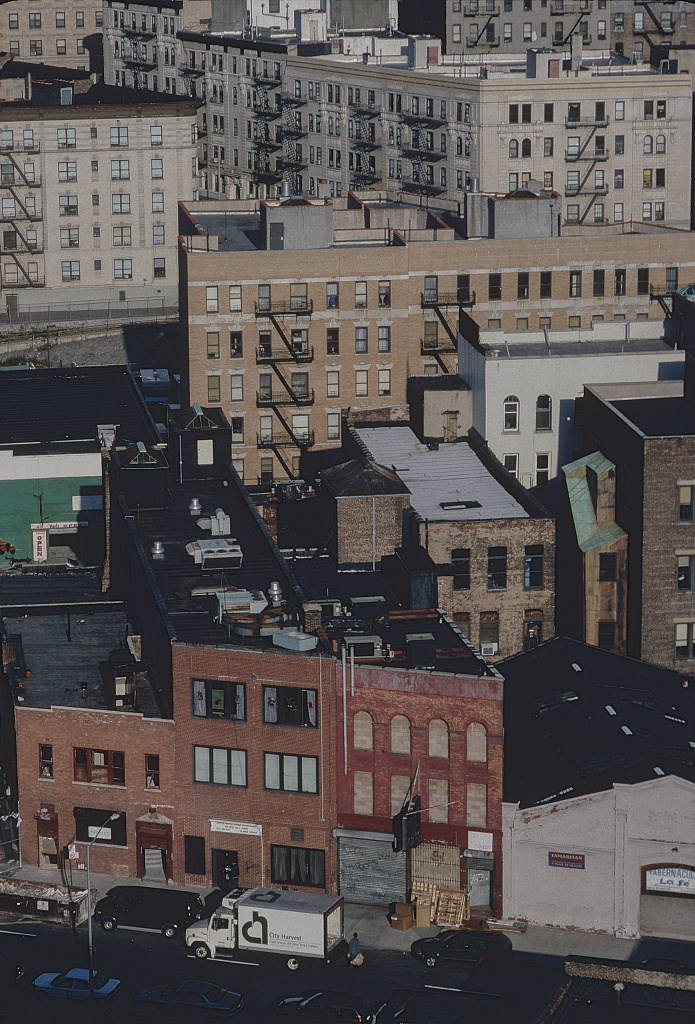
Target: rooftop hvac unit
(215, 554)
(364, 645)
(489, 649)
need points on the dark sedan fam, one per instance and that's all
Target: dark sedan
(194, 995)
(462, 945)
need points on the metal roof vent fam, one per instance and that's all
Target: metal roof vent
(157, 550)
(194, 507)
(275, 593)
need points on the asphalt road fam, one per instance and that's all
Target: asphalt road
(515, 992)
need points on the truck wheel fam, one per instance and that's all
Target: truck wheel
(108, 924)
(431, 961)
(169, 931)
(293, 963)
(201, 951)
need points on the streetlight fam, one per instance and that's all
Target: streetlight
(90, 947)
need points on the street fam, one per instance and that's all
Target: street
(141, 959)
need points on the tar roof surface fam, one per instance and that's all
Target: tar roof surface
(452, 475)
(40, 406)
(570, 731)
(236, 232)
(659, 417)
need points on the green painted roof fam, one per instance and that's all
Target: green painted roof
(590, 534)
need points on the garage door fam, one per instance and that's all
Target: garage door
(370, 872)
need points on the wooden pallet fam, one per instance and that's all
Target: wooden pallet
(451, 908)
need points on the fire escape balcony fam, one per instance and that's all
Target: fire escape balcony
(587, 122)
(140, 33)
(294, 439)
(266, 112)
(572, 156)
(291, 131)
(192, 71)
(284, 355)
(585, 189)
(427, 120)
(430, 348)
(430, 301)
(266, 399)
(295, 307)
(423, 155)
(143, 63)
(290, 100)
(368, 110)
(365, 145)
(267, 81)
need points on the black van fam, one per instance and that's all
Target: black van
(168, 911)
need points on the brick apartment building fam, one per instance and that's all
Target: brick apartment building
(646, 431)
(67, 33)
(295, 311)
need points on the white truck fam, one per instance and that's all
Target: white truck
(300, 926)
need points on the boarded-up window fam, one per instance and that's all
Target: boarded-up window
(363, 798)
(400, 735)
(399, 790)
(476, 804)
(439, 800)
(363, 738)
(439, 738)
(476, 738)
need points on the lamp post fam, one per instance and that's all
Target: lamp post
(90, 947)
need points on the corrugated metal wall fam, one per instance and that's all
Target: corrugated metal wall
(370, 872)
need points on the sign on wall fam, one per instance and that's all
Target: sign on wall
(237, 828)
(566, 860)
(674, 879)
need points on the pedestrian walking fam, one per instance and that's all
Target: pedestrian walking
(354, 953)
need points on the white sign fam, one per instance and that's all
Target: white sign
(238, 828)
(72, 852)
(480, 841)
(39, 545)
(42, 905)
(98, 830)
(671, 879)
(68, 524)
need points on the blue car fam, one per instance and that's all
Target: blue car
(74, 984)
(194, 994)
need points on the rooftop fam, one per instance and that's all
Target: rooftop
(657, 409)
(601, 338)
(67, 631)
(449, 483)
(41, 407)
(578, 719)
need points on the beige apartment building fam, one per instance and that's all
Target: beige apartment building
(511, 26)
(298, 311)
(88, 201)
(67, 33)
(391, 111)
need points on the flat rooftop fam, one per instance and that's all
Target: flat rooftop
(614, 337)
(656, 409)
(449, 484)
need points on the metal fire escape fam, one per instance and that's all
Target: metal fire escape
(485, 34)
(20, 241)
(442, 303)
(587, 155)
(658, 49)
(293, 160)
(421, 150)
(578, 14)
(364, 144)
(268, 135)
(294, 351)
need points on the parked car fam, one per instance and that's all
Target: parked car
(168, 911)
(315, 1007)
(436, 1007)
(466, 946)
(194, 995)
(74, 984)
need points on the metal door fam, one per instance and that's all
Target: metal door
(225, 869)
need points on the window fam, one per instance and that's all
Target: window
(647, 177)
(685, 575)
(438, 742)
(234, 298)
(219, 699)
(361, 339)
(494, 287)
(79, 19)
(120, 202)
(496, 568)
(660, 144)
(542, 469)
(45, 760)
(121, 236)
(511, 463)
(522, 286)
(155, 135)
(151, 771)
(525, 148)
(158, 234)
(333, 426)
(213, 344)
(476, 742)
(384, 382)
(461, 565)
(157, 165)
(120, 169)
(511, 413)
(332, 383)
(66, 138)
(289, 705)
(361, 387)
(213, 388)
(159, 267)
(606, 635)
(211, 303)
(290, 773)
(476, 805)
(332, 341)
(363, 793)
(575, 284)
(35, 20)
(119, 136)
(685, 503)
(290, 865)
(236, 384)
(105, 767)
(607, 567)
(360, 294)
(400, 735)
(69, 238)
(70, 270)
(546, 290)
(384, 294)
(620, 281)
(219, 766)
(685, 640)
(643, 280)
(35, 47)
(67, 206)
(14, 21)
(513, 113)
(533, 567)
(363, 731)
(332, 295)
(660, 177)
(513, 148)
(123, 269)
(67, 170)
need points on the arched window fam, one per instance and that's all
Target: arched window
(511, 413)
(476, 742)
(526, 147)
(647, 144)
(661, 144)
(363, 731)
(400, 735)
(439, 738)
(544, 412)
(513, 148)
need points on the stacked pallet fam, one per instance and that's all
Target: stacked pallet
(448, 908)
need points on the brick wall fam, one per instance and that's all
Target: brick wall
(369, 527)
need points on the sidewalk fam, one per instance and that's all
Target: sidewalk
(373, 926)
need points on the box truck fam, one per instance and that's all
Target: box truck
(302, 927)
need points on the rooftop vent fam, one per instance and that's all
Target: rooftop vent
(194, 507)
(275, 593)
(157, 550)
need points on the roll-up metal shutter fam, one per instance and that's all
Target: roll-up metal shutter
(370, 872)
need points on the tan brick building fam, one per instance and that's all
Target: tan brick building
(295, 311)
(67, 33)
